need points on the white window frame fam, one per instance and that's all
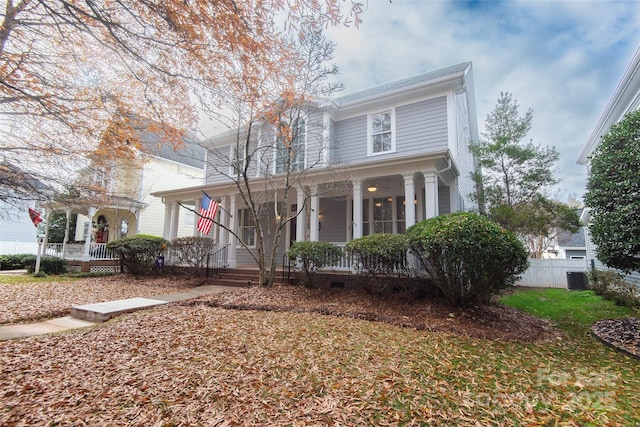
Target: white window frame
(234, 169)
(303, 144)
(243, 215)
(371, 134)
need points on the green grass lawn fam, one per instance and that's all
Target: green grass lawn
(9, 279)
(572, 311)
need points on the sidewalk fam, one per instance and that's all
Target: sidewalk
(88, 315)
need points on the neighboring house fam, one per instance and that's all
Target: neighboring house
(122, 205)
(18, 235)
(386, 158)
(572, 246)
(625, 99)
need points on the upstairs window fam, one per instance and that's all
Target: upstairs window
(103, 179)
(238, 160)
(381, 130)
(291, 147)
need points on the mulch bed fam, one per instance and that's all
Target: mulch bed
(490, 321)
(623, 334)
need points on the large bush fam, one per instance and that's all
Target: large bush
(467, 256)
(138, 253)
(612, 195)
(380, 259)
(313, 256)
(192, 251)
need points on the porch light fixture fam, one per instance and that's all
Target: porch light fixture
(372, 188)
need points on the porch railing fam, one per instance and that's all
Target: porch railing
(76, 251)
(217, 260)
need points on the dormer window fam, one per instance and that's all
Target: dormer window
(381, 130)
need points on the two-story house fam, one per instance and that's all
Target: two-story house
(376, 161)
(625, 99)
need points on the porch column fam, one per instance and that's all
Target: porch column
(175, 220)
(431, 193)
(233, 227)
(87, 237)
(168, 212)
(409, 206)
(224, 220)
(314, 229)
(300, 225)
(196, 206)
(420, 204)
(357, 209)
(67, 213)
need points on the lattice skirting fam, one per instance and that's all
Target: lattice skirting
(105, 269)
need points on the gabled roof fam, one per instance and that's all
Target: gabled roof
(626, 98)
(575, 240)
(425, 79)
(190, 153)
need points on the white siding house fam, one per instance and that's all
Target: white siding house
(375, 161)
(626, 98)
(125, 206)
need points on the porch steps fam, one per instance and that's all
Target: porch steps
(240, 277)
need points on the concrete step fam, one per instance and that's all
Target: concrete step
(103, 311)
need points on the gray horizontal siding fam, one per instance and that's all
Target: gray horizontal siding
(334, 220)
(351, 140)
(421, 128)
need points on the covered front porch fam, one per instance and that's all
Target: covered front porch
(388, 199)
(95, 226)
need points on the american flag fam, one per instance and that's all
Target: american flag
(208, 209)
(35, 217)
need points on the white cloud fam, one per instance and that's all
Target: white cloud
(563, 59)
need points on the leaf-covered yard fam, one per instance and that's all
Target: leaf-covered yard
(196, 363)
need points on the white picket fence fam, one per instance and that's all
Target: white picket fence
(551, 273)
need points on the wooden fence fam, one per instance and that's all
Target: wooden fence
(551, 273)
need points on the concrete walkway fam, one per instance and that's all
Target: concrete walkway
(83, 316)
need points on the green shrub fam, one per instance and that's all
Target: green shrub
(138, 253)
(380, 259)
(15, 262)
(192, 251)
(612, 286)
(313, 256)
(48, 265)
(467, 256)
(600, 280)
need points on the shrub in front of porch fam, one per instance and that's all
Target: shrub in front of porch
(138, 253)
(313, 256)
(468, 256)
(380, 259)
(192, 251)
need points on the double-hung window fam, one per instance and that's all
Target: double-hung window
(246, 227)
(238, 159)
(381, 132)
(291, 147)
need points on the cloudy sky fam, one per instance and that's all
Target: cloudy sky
(563, 59)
